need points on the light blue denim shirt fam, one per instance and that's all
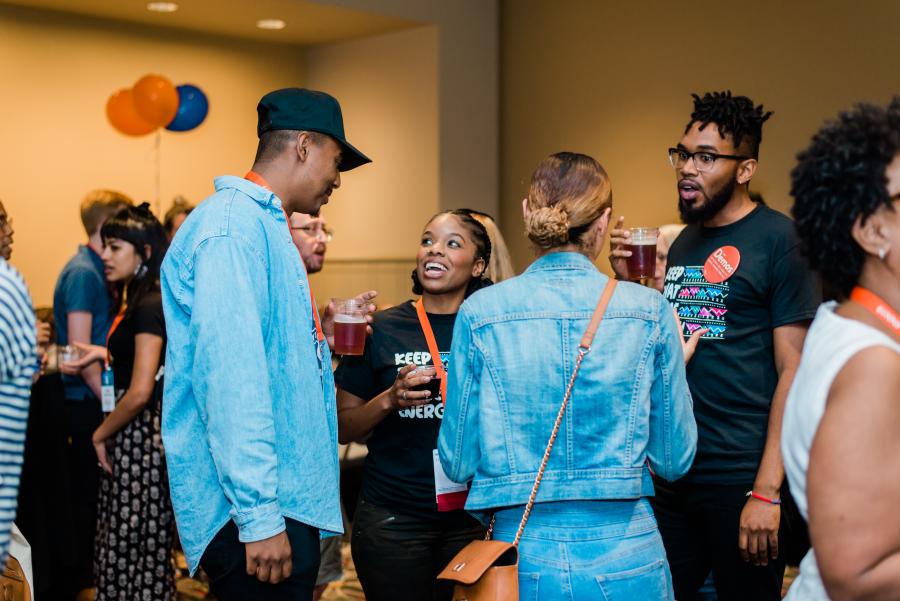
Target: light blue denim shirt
(514, 348)
(249, 419)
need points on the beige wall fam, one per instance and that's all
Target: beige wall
(58, 72)
(468, 95)
(387, 86)
(614, 79)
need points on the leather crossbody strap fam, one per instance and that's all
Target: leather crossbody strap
(583, 349)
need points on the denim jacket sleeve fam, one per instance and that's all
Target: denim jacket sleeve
(458, 444)
(673, 430)
(231, 382)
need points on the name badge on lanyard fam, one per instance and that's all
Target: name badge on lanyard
(107, 381)
(449, 495)
(107, 390)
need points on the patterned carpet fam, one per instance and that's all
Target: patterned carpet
(346, 589)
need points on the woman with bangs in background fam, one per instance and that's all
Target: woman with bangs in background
(135, 525)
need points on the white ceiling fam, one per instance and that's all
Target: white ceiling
(308, 23)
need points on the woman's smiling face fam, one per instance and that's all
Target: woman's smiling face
(447, 260)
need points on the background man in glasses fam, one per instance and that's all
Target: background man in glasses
(311, 237)
(735, 271)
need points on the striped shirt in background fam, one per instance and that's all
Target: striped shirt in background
(18, 363)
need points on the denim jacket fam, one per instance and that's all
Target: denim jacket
(249, 419)
(514, 348)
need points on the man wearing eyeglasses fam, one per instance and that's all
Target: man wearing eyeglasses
(737, 273)
(311, 237)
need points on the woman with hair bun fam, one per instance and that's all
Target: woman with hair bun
(841, 433)
(135, 523)
(404, 531)
(591, 533)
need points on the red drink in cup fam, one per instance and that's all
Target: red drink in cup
(642, 262)
(349, 327)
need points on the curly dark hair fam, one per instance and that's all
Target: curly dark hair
(838, 179)
(736, 116)
(482, 250)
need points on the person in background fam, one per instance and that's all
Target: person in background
(592, 532)
(841, 434)
(249, 420)
(82, 313)
(19, 365)
(176, 215)
(737, 272)
(500, 267)
(311, 237)
(135, 526)
(667, 235)
(403, 532)
(6, 234)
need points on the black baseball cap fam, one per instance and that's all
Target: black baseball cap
(308, 110)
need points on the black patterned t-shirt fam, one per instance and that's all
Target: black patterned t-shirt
(739, 281)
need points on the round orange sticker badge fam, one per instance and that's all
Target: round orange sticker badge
(722, 264)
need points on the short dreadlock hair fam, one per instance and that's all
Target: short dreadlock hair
(838, 179)
(733, 115)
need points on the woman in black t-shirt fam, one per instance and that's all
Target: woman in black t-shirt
(135, 523)
(403, 532)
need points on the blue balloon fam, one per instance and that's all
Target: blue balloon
(192, 108)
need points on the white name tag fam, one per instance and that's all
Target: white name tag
(107, 391)
(449, 495)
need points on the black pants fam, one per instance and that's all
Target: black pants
(398, 556)
(225, 562)
(83, 417)
(699, 524)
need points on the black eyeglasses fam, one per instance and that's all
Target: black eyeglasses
(703, 160)
(316, 231)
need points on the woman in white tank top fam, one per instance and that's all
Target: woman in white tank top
(841, 431)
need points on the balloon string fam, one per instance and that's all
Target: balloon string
(158, 169)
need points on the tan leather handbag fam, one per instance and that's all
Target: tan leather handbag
(488, 570)
(13, 585)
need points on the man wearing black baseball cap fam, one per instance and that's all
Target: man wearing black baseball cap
(249, 421)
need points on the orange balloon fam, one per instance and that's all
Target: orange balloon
(155, 99)
(124, 117)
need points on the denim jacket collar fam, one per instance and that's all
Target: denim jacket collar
(266, 198)
(562, 261)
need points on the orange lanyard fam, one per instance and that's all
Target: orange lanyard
(262, 183)
(115, 324)
(877, 306)
(432, 348)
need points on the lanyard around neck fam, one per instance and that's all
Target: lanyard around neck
(262, 183)
(877, 306)
(432, 348)
(112, 328)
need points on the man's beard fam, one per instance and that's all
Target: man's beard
(709, 209)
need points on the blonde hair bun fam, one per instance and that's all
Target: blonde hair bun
(548, 227)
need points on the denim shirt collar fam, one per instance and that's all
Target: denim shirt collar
(266, 198)
(562, 261)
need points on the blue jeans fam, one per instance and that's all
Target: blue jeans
(588, 550)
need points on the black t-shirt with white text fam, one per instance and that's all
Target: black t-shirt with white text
(732, 375)
(399, 467)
